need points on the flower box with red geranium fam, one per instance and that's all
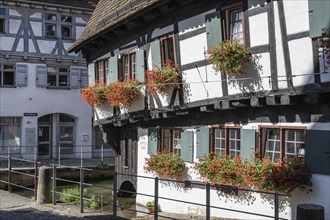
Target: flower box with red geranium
(229, 57)
(123, 93)
(162, 79)
(95, 94)
(165, 165)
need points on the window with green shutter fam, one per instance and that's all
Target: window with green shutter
(113, 69)
(91, 74)
(203, 142)
(156, 58)
(187, 146)
(213, 29)
(152, 140)
(319, 17)
(140, 65)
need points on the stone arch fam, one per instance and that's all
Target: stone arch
(127, 189)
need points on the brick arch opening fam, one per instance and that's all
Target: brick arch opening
(127, 189)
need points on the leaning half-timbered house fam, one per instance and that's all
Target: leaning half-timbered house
(41, 113)
(278, 107)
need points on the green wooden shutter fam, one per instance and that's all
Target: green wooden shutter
(113, 69)
(21, 74)
(83, 77)
(319, 17)
(41, 76)
(74, 77)
(91, 74)
(140, 65)
(317, 151)
(213, 28)
(248, 143)
(152, 140)
(187, 146)
(203, 142)
(156, 58)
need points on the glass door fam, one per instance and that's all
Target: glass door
(44, 141)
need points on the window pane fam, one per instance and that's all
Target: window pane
(66, 32)
(8, 78)
(63, 80)
(51, 80)
(236, 25)
(50, 30)
(2, 11)
(67, 19)
(66, 118)
(166, 140)
(66, 133)
(126, 68)
(133, 65)
(50, 17)
(2, 25)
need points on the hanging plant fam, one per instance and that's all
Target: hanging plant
(161, 80)
(123, 93)
(229, 57)
(94, 95)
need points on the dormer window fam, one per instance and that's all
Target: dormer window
(2, 20)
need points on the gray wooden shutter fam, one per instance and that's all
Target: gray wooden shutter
(152, 140)
(113, 69)
(203, 142)
(140, 65)
(83, 78)
(21, 74)
(91, 74)
(317, 151)
(41, 76)
(213, 28)
(74, 77)
(187, 146)
(156, 58)
(319, 17)
(248, 143)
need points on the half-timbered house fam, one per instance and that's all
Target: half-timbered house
(41, 112)
(279, 107)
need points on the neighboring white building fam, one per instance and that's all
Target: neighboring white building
(279, 108)
(40, 104)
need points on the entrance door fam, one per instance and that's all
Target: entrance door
(44, 141)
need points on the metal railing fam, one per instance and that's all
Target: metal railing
(12, 170)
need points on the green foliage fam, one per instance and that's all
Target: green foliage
(229, 57)
(150, 204)
(73, 195)
(165, 164)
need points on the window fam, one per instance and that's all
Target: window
(168, 53)
(58, 76)
(2, 20)
(7, 74)
(67, 133)
(101, 71)
(226, 141)
(170, 141)
(10, 133)
(233, 23)
(278, 143)
(128, 66)
(51, 23)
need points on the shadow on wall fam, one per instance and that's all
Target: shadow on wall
(250, 80)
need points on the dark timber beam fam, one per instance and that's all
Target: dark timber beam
(207, 108)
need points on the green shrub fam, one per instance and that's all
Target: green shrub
(73, 197)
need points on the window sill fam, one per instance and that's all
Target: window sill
(58, 87)
(8, 86)
(126, 167)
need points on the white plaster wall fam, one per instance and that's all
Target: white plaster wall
(193, 23)
(296, 16)
(80, 20)
(20, 46)
(281, 72)
(301, 56)
(17, 101)
(14, 12)
(193, 49)
(194, 87)
(160, 31)
(46, 46)
(37, 28)
(31, 46)
(6, 42)
(79, 30)
(259, 29)
(36, 15)
(253, 79)
(14, 25)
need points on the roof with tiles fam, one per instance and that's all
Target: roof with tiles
(107, 14)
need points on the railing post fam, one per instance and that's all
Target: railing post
(54, 184)
(114, 208)
(208, 210)
(277, 208)
(81, 190)
(9, 174)
(35, 179)
(59, 155)
(156, 199)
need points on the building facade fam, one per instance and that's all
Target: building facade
(278, 107)
(41, 113)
